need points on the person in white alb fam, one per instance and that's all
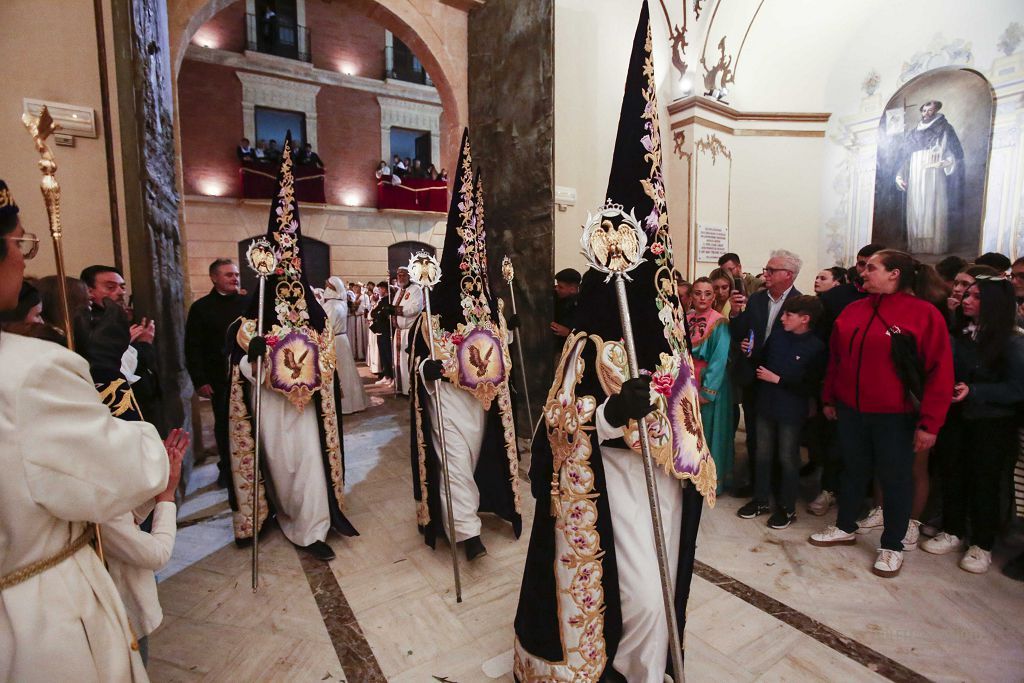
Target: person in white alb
(66, 462)
(405, 309)
(336, 303)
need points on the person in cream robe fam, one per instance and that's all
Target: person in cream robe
(66, 462)
(336, 303)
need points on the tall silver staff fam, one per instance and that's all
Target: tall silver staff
(509, 274)
(263, 260)
(614, 243)
(425, 271)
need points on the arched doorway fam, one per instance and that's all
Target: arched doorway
(399, 254)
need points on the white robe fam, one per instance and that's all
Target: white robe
(353, 395)
(357, 326)
(927, 197)
(294, 460)
(65, 461)
(643, 647)
(132, 558)
(464, 424)
(410, 304)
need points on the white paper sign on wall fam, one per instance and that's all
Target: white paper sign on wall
(712, 241)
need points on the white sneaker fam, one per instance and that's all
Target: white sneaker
(976, 560)
(830, 536)
(912, 535)
(873, 521)
(821, 505)
(943, 543)
(888, 564)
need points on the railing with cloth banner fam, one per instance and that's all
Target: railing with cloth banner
(412, 194)
(259, 181)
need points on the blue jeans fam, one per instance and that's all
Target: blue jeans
(877, 445)
(782, 438)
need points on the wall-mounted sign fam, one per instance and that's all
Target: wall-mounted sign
(712, 241)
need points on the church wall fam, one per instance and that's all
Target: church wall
(350, 145)
(49, 52)
(343, 39)
(225, 30)
(210, 107)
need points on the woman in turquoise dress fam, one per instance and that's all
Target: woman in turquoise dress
(709, 334)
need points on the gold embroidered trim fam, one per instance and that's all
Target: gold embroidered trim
(242, 454)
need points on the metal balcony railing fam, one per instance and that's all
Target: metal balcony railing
(277, 36)
(401, 64)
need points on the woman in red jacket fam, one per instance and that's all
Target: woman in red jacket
(881, 424)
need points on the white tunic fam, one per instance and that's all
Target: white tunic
(65, 461)
(353, 396)
(643, 647)
(132, 558)
(358, 326)
(410, 304)
(293, 455)
(464, 424)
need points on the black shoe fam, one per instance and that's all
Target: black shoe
(474, 548)
(224, 479)
(243, 542)
(753, 509)
(320, 550)
(781, 518)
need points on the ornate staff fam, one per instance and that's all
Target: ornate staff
(425, 271)
(613, 243)
(41, 127)
(263, 260)
(509, 274)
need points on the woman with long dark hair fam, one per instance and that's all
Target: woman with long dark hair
(981, 433)
(889, 383)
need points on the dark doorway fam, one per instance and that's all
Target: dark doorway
(316, 263)
(423, 150)
(400, 253)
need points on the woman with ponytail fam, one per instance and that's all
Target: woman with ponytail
(889, 384)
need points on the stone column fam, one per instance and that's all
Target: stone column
(513, 145)
(145, 101)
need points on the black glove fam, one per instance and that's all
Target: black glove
(108, 339)
(514, 322)
(632, 402)
(433, 370)
(257, 348)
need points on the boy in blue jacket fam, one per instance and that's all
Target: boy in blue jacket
(789, 371)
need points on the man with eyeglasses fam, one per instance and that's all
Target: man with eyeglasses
(755, 319)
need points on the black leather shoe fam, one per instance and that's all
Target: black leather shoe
(320, 550)
(474, 548)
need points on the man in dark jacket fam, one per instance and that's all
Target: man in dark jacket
(756, 319)
(838, 298)
(205, 350)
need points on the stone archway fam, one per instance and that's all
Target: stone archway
(438, 39)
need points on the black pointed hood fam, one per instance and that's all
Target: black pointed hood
(289, 300)
(636, 183)
(463, 284)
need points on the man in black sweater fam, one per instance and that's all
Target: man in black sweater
(205, 350)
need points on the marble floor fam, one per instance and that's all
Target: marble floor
(764, 606)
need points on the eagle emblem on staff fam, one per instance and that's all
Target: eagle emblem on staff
(613, 241)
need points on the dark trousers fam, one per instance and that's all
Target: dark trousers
(750, 422)
(783, 439)
(879, 445)
(221, 400)
(384, 352)
(823, 450)
(974, 452)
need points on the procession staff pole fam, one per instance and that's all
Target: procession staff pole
(611, 250)
(509, 273)
(41, 127)
(424, 270)
(263, 260)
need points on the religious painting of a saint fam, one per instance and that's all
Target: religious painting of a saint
(933, 145)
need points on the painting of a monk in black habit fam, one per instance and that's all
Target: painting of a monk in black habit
(930, 182)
